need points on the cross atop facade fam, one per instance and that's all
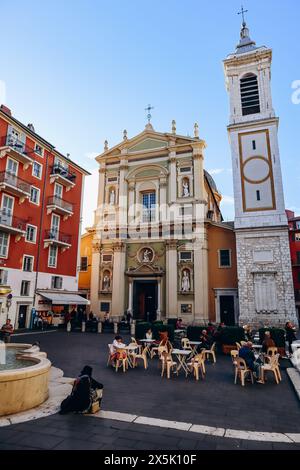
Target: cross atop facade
(242, 12)
(148, 109)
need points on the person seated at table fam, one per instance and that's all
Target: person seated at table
(115, 350)
(205, 341)
(211, 329)
(149, 334)
(246, 352)
(268, 342)
(179, 324)
(85, 391)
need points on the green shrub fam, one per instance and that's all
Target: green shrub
(194, 332)
(172, 321)
(277, 335)
(169, 328)
(232, 334)
(141, 328)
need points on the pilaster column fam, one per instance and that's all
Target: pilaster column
(118, 287)
(171, 278)
(101, 192)
(173, 178)
(158, 311)
(201, 279)
(95, 277)
(198, 174)
(131, 205)
(163, 199)
(130, 295)
(123, 193)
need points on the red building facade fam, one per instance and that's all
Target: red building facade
(40, 222)
(294, 236)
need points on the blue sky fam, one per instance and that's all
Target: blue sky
(83, 70)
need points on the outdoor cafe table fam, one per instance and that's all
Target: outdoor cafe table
(295, 345)
(194, 345)
(257, 346)
(147, 343)
(182, 355)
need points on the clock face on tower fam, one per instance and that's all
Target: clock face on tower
(257, 182)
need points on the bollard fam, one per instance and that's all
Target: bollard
(68, 326)
(83, 327)
(99, 327)
(115, 327)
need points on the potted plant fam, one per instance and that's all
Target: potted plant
(229, 336)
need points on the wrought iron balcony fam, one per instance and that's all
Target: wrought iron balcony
(62, 175)
(14, 185)
(11, 224)
(59, 205)
(17, 149)
(54, 237)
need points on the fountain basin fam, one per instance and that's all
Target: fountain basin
(26, 387)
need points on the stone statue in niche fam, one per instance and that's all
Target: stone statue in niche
(185, 188)
(147, 256)
(112, 197)
(185, 281)
(106, 282)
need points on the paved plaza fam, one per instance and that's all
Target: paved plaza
(213, 403)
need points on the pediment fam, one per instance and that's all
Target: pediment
(145, 269)
(148, 144)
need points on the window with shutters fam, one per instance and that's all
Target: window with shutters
(83, 263)
(224, 258)
(31, 233)
(25, 288)
(28, 263)
(52, 259)
(249, 94)
(56, 282)
(4, 241)
(3, 277)
(34, 195)
(149, 206)
(37, 170)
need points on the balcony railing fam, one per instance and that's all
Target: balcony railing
(64, 172)
(58, 237)
(61, 203)
(12, 180)
(17, 145)
(11, 221)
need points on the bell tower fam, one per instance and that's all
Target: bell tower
(266, 293)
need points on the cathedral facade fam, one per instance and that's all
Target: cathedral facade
(160, 248)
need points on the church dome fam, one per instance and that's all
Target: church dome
(211, 181)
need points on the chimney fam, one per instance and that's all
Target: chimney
(5, 109)
(31, 127)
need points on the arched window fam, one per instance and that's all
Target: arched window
(249, 94)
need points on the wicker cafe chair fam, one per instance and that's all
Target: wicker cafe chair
(167, 364)
(272, 366)
(241, 371)
(196, 364)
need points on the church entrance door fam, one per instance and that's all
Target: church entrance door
(227, 310)
(145, 300)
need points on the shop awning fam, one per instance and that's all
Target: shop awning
(65, 298)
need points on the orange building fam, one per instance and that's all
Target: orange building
(40, 223)
(222, 273)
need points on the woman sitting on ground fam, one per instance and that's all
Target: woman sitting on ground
(85, 391)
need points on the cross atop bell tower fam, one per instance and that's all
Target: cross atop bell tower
(242, 12)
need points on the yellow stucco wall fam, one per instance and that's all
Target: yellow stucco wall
(86, 250)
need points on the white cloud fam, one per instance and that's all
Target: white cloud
(90, 199)
(228, 200)
(216, 171)
(91, 155)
